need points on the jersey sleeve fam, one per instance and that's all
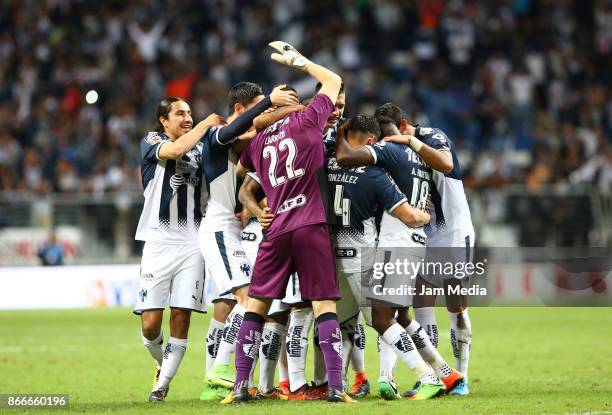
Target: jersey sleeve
(385, 154)
(388, 193)
(434, 137)
(150, 144)
(317, 112)
(245, 158)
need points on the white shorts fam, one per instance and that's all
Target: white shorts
(452, 247)
(352, 297)
(171, 275)
(251, 237)
(226, 262)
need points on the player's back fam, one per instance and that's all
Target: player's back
(451, 213)
(359, 193)
(289, 159)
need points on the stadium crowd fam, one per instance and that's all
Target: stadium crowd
(522, 87)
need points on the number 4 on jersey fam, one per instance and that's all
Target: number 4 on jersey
(270, 152)
(342, 207)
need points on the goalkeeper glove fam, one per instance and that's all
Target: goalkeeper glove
(288, 55)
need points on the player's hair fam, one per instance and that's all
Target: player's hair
(319, 85)
(163, 110)
(243, 93)
(391, 111)
(382, 121)
(364, 123)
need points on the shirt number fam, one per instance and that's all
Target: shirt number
(288, 144)
(342, 206)
(420, 192)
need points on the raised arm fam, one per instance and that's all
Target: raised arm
(440, 160)
(174, 150)
(347, 156)
(289, 56)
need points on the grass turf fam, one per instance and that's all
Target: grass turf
(524, 360)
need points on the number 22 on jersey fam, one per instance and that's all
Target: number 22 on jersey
(288, 144)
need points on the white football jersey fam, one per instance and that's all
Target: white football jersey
(451, 220)
(220, 174)
(174, 192)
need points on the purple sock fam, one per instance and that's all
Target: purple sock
(330, 341)
(247, 348)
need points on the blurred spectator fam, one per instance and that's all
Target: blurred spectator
(52, 251)
(522, 87)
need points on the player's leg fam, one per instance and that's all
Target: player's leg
(271, 345)
(228, 265)
(270, 277)
(186, 295)
(361, 385)
(318, 283)
(222, 307)
(301, 320)
(424, 310)
(461, 338)
(395, 335)
(153, 290)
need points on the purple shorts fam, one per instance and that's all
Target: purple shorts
(307, 250)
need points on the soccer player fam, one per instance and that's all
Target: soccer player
(172, 268)
(399, 242)
(358, 193)
(220, 231)
(450, 234)
(289, 159)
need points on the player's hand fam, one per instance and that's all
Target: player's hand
(288, 55)
(402, 139)
(244, 216)
(282, 98)
(214, 119)
(265, 218)
(249, 135)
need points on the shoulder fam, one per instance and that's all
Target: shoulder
(433, 135)
(154, 137)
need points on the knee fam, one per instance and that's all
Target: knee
(151, 325)
(179, 323)
(380, 323)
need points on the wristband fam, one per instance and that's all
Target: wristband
(415, 144)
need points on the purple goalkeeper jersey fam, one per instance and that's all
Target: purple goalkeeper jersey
(289, 159)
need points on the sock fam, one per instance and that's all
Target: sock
(461, 340)
(230, 334)
(213, 340)
(283, 374)
(330, 340)
(427, 351)
(320, 373)
(388, 358)
(268, 354)
(247, 348)
(348, 333)
(155, 347)
(300, 323)
(426, 317)
(396, 337)
(359, 345)
(173, 354)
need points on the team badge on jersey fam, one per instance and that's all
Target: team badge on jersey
(153, 137)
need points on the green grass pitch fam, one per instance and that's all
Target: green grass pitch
(524, 360)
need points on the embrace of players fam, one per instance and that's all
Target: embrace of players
(320, 201)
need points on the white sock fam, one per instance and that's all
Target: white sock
(320, 372)
(230, 334)
(213, 340)
(426, 317)
(283, 373)
(269, 351)
(155, 347)
(396, 337)
(461, 340)
(359, 344)
(348, 331)
(173, 354)
(428, 352)
(300, 323)
(388, 359)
